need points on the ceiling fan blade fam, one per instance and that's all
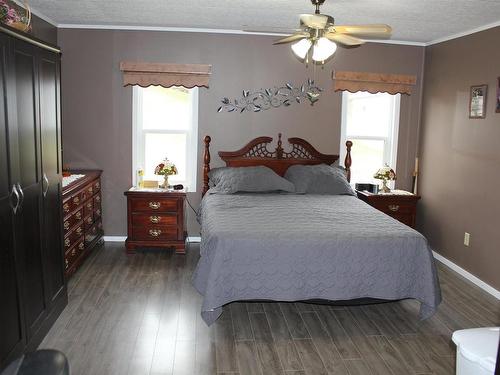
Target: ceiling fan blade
(314, 21)
(374, 31)
(344, 39)
(292, 38)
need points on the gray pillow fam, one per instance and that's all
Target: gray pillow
(318, 179)
(259, 179)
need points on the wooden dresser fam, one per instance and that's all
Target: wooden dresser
(400, 207)
(155, 218)
(82, 219)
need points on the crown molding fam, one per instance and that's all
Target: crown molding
(398, 42)
(161, 28)
(463, 33)
(209, 31)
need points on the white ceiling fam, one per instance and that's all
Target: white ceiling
(412, 20)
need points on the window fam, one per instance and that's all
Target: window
(166, 125)
(371, 122)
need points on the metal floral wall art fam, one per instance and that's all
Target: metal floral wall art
(264, 99)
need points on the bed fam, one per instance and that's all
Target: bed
(291, 247)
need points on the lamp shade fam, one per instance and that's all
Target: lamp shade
(385, 173)
(323, 49)
(301, 48)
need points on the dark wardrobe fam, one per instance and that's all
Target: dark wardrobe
(32, 286)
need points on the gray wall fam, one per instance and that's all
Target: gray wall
(460, 172)
(97, 110)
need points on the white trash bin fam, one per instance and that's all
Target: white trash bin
(476, 350)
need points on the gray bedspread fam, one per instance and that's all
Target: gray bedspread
(288, 247)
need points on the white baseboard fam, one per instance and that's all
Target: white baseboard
(191, 239)
(469, 276)
(114, 238)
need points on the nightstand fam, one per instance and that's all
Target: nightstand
(402, 207)
(155, 218)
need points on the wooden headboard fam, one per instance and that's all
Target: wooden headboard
(256, 153)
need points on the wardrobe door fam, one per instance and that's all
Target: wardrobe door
(28, 176)
(11, 338)
(50, 136)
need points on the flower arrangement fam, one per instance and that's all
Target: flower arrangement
(165, 168)
(10, 15)
(385, 174)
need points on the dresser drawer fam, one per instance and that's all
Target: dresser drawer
(77, 199)
(93, 232)
(139, 219)
(97, 210)
(154, 204)
(154, 233)
(73, 236)
(74, 252)
(89, 190)
(70, 221)
(88, 207)
(88, 221)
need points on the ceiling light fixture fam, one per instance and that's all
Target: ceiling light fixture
(318, 36)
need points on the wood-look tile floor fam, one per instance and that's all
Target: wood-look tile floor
(140, 315)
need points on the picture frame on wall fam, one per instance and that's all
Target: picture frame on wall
(477, 101)
(498, 96)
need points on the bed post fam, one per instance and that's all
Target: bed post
(348, 160)
(206, 164)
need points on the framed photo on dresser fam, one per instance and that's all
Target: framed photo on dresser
(477, 101)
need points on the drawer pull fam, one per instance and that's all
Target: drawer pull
(89, 205)
(67, 242)
(97, 185)
(154, 205)
(98, 199)
(66, 263)
(90, 190)
(89, 220)
(154, 232)
(76, 200)
(393, 207)
(78, 215)
(66, 207)
(98, 212)
(73, 252)
(154, 219)
(81, 245)
(79, 230)
(66, 224)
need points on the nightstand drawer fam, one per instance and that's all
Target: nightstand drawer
(154, 232)
(402, 207)
(154, 204)
(394, 207)
(139, 219)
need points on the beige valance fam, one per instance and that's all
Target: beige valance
(166, 75)
(373, 82)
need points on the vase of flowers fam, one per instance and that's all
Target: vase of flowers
(165, 168)
(385, 174)
(11, 14)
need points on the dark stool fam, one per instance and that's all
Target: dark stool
(41, 362)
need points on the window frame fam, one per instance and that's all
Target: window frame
(139, 136)
(390, 141)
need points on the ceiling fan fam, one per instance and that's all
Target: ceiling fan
(318, 35)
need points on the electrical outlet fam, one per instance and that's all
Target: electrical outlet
(466, 239)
